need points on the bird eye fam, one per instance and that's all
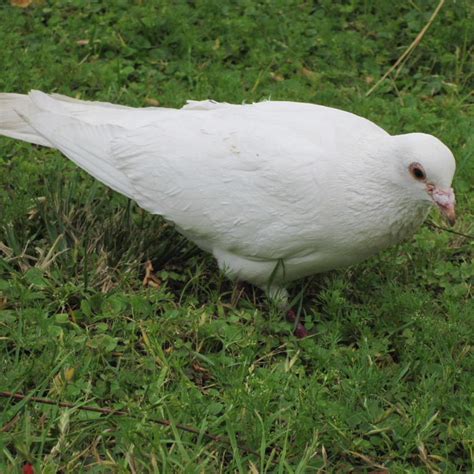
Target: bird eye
(417, 171)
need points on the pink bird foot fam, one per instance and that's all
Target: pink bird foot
(300, 331)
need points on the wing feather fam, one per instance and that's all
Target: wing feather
(247, 180)
(85, 144)
(226, 185)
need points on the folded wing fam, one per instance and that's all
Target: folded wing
(243, 179)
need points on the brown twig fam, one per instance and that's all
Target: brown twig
(9, 424)
(435, 226)
(410, 48)
(111, 411)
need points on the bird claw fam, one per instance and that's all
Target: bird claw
(299, 331)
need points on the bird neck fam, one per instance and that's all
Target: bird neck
(388, 213)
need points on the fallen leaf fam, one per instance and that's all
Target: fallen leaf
(277, 77)
(21, 3)
(69, 374)
(153, 102)
(199, 368)
(311, 75)
(150, 279)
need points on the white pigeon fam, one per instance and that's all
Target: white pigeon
(274, 190)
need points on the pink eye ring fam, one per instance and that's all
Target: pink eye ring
(417, 171)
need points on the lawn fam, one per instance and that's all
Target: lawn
(384, 384)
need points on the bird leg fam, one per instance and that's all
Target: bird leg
(300, 331)
(279, 297)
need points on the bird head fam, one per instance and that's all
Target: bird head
(426, 171)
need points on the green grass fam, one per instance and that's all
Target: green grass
(387, 378)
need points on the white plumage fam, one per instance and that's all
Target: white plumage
(274, 190)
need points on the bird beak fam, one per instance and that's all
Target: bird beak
(445, 200)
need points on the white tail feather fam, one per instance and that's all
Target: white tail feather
(13, 109)
(44, 120)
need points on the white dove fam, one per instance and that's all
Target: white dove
(274, 190)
